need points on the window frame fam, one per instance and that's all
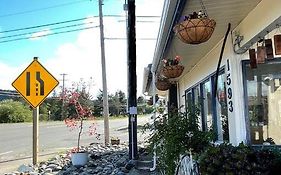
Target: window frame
(211, 78)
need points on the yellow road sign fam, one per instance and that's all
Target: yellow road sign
(35, 83)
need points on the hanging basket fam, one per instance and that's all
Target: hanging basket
(172, 71)
(162, 84)
(195, 31)
(149, 102)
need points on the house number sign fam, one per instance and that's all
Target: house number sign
(229, 89)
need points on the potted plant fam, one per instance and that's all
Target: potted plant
(115, 141)
(195, 28)
(78, 108)
(172, 68)
(162, 83)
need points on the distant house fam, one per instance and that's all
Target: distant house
(8, 94)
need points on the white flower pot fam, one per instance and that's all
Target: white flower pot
(79, 159)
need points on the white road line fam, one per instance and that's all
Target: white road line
(5, 153)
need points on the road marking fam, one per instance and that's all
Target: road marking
(5, 153)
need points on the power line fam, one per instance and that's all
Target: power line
(27, 33)
(126, 38)
(74, 30)
(44, 25)
(68, 21)
(40, 9)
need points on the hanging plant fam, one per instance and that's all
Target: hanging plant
(195, 28)
(162, 84)
(172, 68)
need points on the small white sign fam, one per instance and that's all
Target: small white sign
(133, 110)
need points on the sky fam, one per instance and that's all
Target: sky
(76, 54)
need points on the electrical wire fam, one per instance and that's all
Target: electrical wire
(40, 9)
(43, 25)
(63, 22)
(24, 38)
(57, 28)
(126, 38)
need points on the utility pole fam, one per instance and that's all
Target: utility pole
(132, 80)
(104, 84)
(63, 93)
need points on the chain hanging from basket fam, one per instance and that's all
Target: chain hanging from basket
(172, 68)
(195, 28)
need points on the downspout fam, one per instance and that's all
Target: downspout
(154, 117)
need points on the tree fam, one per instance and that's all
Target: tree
(79, 108)
(14, 112)
(97, 103)
(117, 103)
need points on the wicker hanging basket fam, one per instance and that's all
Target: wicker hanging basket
(172, 71)
(162, 84)
(195, 31)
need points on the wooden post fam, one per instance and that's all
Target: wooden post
(35, 134)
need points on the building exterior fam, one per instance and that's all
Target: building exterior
(247, 106)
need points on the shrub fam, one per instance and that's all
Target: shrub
(227, 159)
(174, 134)
(14, 112)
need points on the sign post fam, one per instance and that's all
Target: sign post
(34, 84)
(35, 134)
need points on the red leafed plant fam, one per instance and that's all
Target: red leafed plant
(172, 62)
(77, 101)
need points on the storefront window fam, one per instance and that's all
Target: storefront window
(222, 113)
(197, 103)
(188, 100)
(264, 102)
(207, 103)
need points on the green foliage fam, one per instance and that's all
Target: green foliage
(54, 105)
(43, 112)
(227, 159)
(14, 112)
(174, 134)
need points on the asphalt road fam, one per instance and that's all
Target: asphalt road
(54, 137)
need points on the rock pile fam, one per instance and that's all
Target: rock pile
(103, 160)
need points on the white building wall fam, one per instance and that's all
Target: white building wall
(257, 20)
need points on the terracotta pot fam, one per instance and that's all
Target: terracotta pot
(195, 31)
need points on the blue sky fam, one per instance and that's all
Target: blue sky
(77, 53)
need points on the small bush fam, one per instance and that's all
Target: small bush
(175, 134)
(227, 159)
(14, 112)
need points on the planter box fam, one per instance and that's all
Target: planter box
(115, 141)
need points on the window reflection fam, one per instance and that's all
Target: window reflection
(264, 103)
(207, 103)
(222, 113)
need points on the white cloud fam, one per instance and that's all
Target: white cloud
(40, 34)
(9, 73)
